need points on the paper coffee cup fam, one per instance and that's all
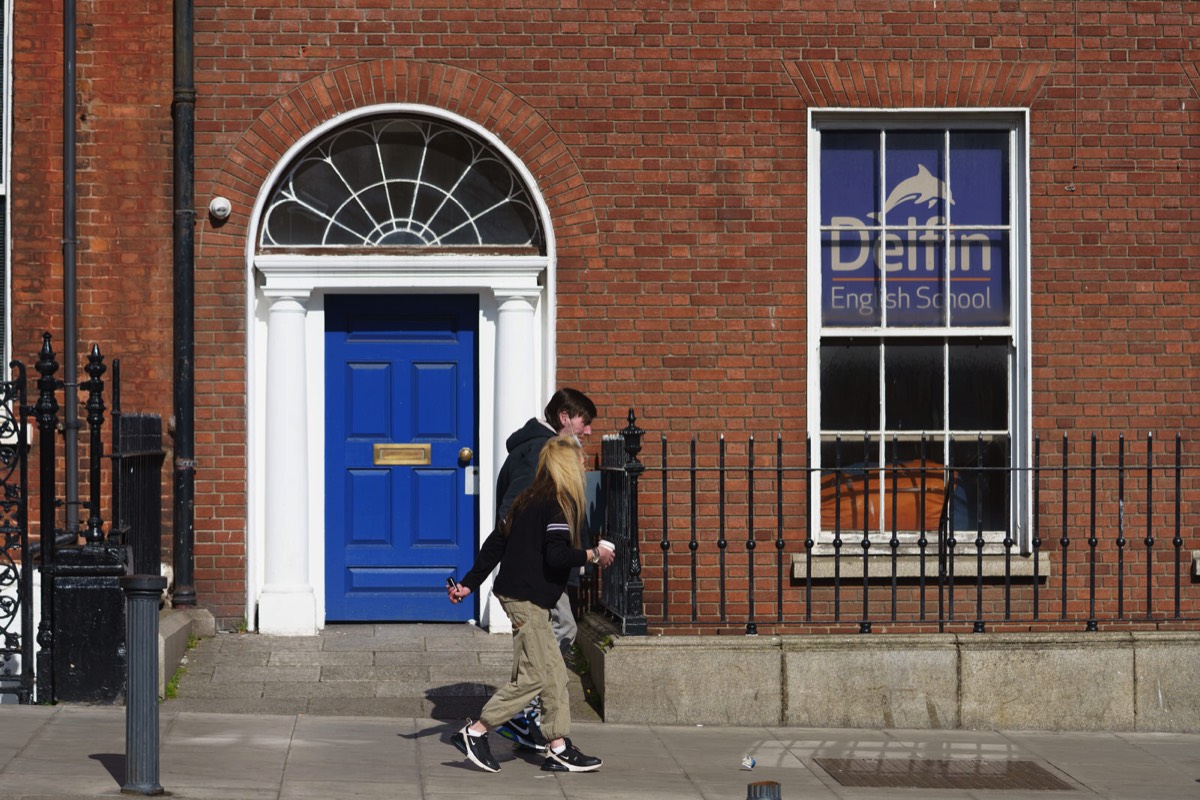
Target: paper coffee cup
(607, 545)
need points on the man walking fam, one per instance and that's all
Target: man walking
(569, 411)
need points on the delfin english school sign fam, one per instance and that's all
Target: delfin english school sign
(931, 250)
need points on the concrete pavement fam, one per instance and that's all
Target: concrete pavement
(241, 730)
(77, 751)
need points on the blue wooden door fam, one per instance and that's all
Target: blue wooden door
(400, 504)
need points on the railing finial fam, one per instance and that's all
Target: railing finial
(632, 435)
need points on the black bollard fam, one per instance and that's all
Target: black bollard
(142, 594)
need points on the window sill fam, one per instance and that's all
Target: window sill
(849, 566)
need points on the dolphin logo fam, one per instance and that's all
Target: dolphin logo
(922, 188)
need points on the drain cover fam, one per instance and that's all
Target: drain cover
(898, 773)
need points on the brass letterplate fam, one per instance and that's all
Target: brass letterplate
(408, 455)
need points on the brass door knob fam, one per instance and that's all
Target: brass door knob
(464, 456)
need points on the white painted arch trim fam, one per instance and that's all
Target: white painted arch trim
(523, 285)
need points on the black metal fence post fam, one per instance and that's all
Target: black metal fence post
(779, 541)
(751, 543)
(88, 607)
(1037, 528)
(693, 542)
(1177, 541)
(45, 411)
(142, 593)
(94, 531)
(722, 542)
(635, 616)
(664, 544)
(1093, 541)
(1149, 540)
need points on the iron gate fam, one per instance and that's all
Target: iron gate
(73, 648)
(16, 573)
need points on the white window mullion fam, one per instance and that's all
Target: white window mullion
(884, 226)
(946, 401)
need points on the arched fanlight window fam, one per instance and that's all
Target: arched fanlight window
(411, 182)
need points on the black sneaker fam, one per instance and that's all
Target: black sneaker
(524, 733)
(475, 748)
(570, 760)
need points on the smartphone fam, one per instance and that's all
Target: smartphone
(451, 583)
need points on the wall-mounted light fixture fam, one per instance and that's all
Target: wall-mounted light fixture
(220, 208)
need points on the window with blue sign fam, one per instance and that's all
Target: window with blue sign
(918, 322)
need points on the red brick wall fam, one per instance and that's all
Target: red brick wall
(123, 199)
(670, 140)
(123, 164)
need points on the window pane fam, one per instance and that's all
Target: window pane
(929, 448)
(915, 263)
(979, 387)
(850, 453)
(979, 278)
(850, 282)
(981, 484)
(979, 178)
(913, 496)
(916, 184)
(849, 176)
(849, 385)
(914, 378)
(402, 148)
(849, 490)
(354, 157)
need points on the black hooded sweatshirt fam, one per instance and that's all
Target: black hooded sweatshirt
(535, 559)
(524, 447)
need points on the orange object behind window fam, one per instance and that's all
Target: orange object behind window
(905, 478)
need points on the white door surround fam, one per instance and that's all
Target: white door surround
(285, 382)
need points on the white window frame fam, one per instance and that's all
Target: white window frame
(5, 162)
(1018, 331)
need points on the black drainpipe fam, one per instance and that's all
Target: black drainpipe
(70, 332)
(183, 110)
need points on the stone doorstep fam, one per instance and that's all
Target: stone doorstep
(175, 627)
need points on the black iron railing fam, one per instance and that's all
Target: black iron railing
(16, 554)
(735, 540)
(79, 633)
(621, 585)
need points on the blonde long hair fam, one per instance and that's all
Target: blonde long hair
(560, 478)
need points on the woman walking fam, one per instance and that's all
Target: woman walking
(536, 546)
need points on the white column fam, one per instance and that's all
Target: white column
(516, 382)
(287, 605)
(516, 400)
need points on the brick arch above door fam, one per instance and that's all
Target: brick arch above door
(502, 113)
